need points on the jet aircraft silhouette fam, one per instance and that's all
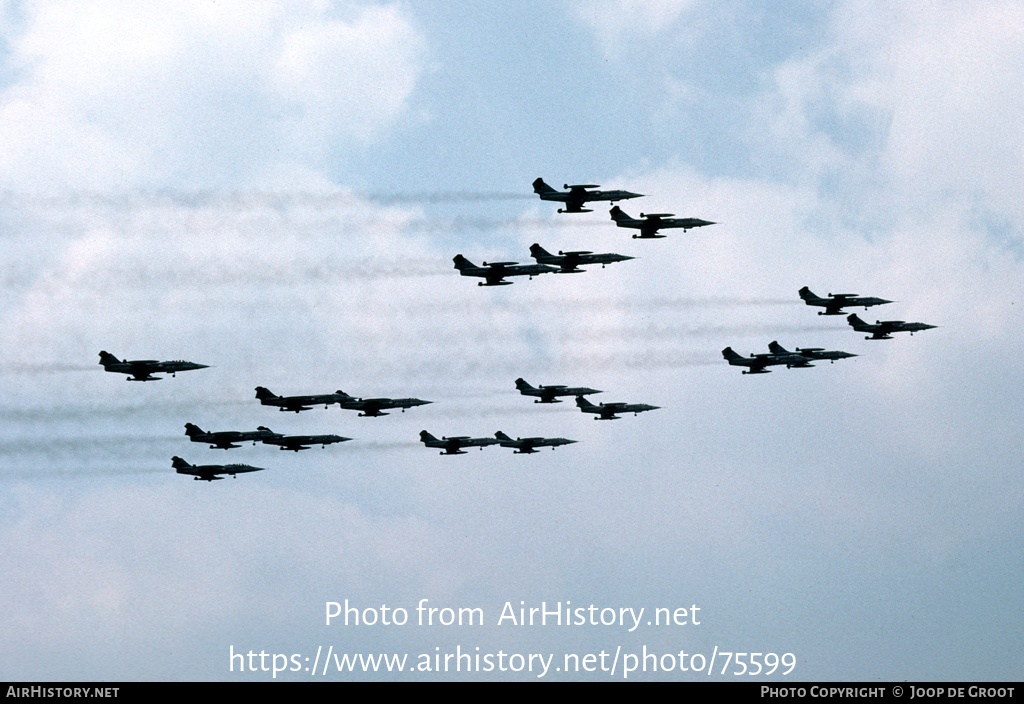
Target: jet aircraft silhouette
(810, 354)
(302, 442)
(374, 406)
(571, 261)
(547, 394)
(225, 439)
(650, 223)
(835, 302)
(757, 362)
(454, 445)
(576, 196)
(525, 446)
(883, 329)
(494, 272)
(299, 403)
(144, 369)
(608, 411)
(211, 472)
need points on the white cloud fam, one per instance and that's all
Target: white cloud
(919, 98)
(108, 95)
(618, 22)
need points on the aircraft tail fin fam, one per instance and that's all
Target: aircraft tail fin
(806, 294)
(617, 214)
(462, 263)
(583, 403)
(427, 437)
(537, 251)
(178, 463)
(192, 430)
(730, 354)
(775, 348)
(501, 436)
(854, 319)
(107, 358)
(522, 385)
(263, 392)
(541, 188)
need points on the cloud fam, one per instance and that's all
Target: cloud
(895, 100)
(107, 96)
(618, 22)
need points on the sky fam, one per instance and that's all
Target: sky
(277, 190)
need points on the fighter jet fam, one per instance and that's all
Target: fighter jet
(835, 302)
(225, 439)
(299, 403)
(809, 354)
(756, 362)
(650, 223)
(571, 261)
(495, 272)
(144, 369)
(607, 411)
(882, 329)
(303, 442)
(547, 394)
(374, 406)
(210, 472)
(454, 445)
(525, 446)
(578, 195)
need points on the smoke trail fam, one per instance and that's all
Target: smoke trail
(75, 445)
(78, 472)
(205, 198)
(209, 275)
(463, 224)
(44, 368)
(376, 446)
(64, 412)
(517, 406)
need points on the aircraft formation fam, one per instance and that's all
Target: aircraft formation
(575, 197)
(802, 357)
(523, 446)
(368, 407)
(494, 274)
(649, 226)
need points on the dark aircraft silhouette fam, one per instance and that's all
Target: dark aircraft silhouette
(299, 403)
(495, 272)
(883, 329)
(210, 472)
(835, 302)
(756, 362)
(607, 411)
(809, 354)
(454, 445)
(546, 394)
(303, 442)
(374, 406)
(571, 261)
(650, 223)
(525, 446)
(144, 369)
(225, 439)
(578, 195)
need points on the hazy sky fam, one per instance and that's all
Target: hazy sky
(277, 190)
